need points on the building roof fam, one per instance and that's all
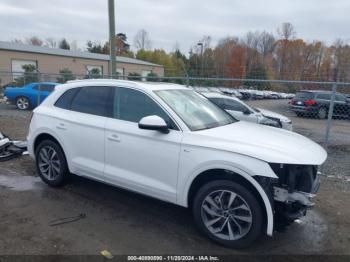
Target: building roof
(69, 53)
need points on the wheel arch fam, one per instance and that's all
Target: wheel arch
(47, 136)
(44, 136)
(241, 178)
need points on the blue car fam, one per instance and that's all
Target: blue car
(28, 96)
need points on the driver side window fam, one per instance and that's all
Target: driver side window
(132, 105)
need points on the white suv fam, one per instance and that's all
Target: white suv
(168, 142)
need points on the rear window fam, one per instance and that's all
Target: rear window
(66, 99)
(304, 95)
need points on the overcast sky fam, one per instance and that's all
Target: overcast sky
(171, 21)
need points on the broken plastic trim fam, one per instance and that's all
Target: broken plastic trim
(11, 149)
(282, 195)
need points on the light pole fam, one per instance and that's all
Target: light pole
(201, 45)
(112, 39)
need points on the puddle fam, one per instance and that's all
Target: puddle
(20, 183)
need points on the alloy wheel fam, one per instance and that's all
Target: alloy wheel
(322, 113)
(49, 163)
(226, 215)
(22, 103)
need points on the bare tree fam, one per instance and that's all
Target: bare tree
(286, 31)
(266, 43)
(341, 56)
(142, 40)
(51, 42)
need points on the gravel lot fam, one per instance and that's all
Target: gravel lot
(127, 223)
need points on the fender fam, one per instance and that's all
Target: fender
(50, 132)
(240, 172)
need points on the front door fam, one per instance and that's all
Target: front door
(141, 160)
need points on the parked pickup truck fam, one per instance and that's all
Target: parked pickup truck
(27, 97)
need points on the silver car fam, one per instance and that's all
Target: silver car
(242, 111)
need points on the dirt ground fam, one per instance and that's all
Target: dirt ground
(126, 223)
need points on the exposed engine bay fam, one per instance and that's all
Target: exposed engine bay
(292, 193)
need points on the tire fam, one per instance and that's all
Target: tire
(299, 114)
(50, 156)
(23, 103)
(249, 221)
(322, 113)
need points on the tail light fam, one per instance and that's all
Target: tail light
(309, 102)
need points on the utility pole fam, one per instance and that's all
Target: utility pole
(201, 45)
(112, 40)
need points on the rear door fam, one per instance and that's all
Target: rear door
(80, 126)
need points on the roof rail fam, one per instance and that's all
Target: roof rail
(93, 80)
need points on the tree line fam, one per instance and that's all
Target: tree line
(257, 55)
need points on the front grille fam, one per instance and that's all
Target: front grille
(295, 177)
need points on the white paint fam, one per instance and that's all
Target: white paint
(164, 165)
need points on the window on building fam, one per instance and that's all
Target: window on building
(17, 67)
(144, 74)
(94, 70)
(120, 72)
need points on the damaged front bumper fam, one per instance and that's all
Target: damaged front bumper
(293, 192)
(284, 195)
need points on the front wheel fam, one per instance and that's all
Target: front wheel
(228, 213)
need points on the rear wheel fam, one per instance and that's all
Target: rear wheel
(22, 103)
(51, 163)
(322, 113)
(228, 213)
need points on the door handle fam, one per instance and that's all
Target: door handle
(61, 126)
(114, 138)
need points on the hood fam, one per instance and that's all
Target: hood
(273, 145)
(269, 113)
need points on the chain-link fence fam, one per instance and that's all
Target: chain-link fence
(318, 110)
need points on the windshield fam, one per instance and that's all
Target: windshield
(195, 110)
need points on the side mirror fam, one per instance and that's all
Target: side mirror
(246, 112)
(154, 123)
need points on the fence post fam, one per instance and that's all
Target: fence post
(39, 89)
(330, 115)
